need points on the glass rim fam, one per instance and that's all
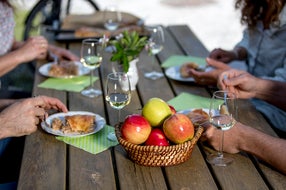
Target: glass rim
(115, 75)
(91, 40)
(221, 94)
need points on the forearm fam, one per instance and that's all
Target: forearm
(9, 61)
(6, 102)
(272, 91)
(270, 149)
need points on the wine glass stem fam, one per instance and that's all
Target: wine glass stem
(119, 116)
(220, 152)
(153, 62)
(91, 76)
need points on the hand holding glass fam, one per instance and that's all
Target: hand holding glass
(155, 46)
(223, 111)
(118, 93)
(91, 58)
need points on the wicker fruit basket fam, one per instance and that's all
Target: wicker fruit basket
(159, 155)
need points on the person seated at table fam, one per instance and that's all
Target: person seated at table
(275, 116)
(245, 138)
(19, 118)
(262, 48)
(14, 74)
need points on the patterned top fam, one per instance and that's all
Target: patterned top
(7, 25)
(267, 50)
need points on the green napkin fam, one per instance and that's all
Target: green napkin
(94, 143)
(175, 60)
(75, 84)
(186, 101)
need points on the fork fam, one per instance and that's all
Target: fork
(54, 56)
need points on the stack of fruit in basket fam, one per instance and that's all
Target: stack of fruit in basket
(159, 124)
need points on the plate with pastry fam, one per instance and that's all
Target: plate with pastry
(73, 124)
(198, 116)
(63, 69)
(181, 72)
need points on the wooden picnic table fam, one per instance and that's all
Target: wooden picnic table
(52, 164)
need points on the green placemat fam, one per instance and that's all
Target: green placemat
(175, 60)
(186, 101)
(94, 143)
(76, 84)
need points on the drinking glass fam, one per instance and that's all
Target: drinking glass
(112, 17)
(91, 58)
(154, 46)
(223, 111)
(118, 93)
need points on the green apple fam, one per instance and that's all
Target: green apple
(156, 111)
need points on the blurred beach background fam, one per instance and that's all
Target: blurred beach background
(215, 22)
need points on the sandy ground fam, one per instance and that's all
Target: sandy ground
(215, 22)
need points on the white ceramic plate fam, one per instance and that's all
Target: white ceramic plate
(99, 124)
(44, 70)
(174, 73)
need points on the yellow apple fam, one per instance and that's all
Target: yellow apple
(156, 111)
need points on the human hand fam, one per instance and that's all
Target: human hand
(34, 48)
(239, 82)
(221, 55)
(232, 139)
(63, 54)
(22, 117)
(209, 77)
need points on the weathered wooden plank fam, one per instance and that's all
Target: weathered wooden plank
(134, 176)
(43, 164)
(89, 171)
(192, 174)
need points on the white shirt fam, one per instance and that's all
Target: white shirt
(7, 25)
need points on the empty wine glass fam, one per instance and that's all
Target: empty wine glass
(112, 17)
(223, 111)
(118, 93)
(91, 58)
(154, 46)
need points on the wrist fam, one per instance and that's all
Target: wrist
(240, 53)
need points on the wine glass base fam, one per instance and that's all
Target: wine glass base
(154, 75)
(217, 160)
(111, 136)
(91, 93)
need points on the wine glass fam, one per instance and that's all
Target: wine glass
(154, 46)
(223, 111)
(118, 93)
(91, 58)
(112, 17)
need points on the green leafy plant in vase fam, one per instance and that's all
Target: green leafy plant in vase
(128, 47)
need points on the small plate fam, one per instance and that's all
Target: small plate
(191, 109)
(99, 124)
(44, 70)
(174, 73)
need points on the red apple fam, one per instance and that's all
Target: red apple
(178, 128)
(135, 129)
(173, 110)
(157, 137)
